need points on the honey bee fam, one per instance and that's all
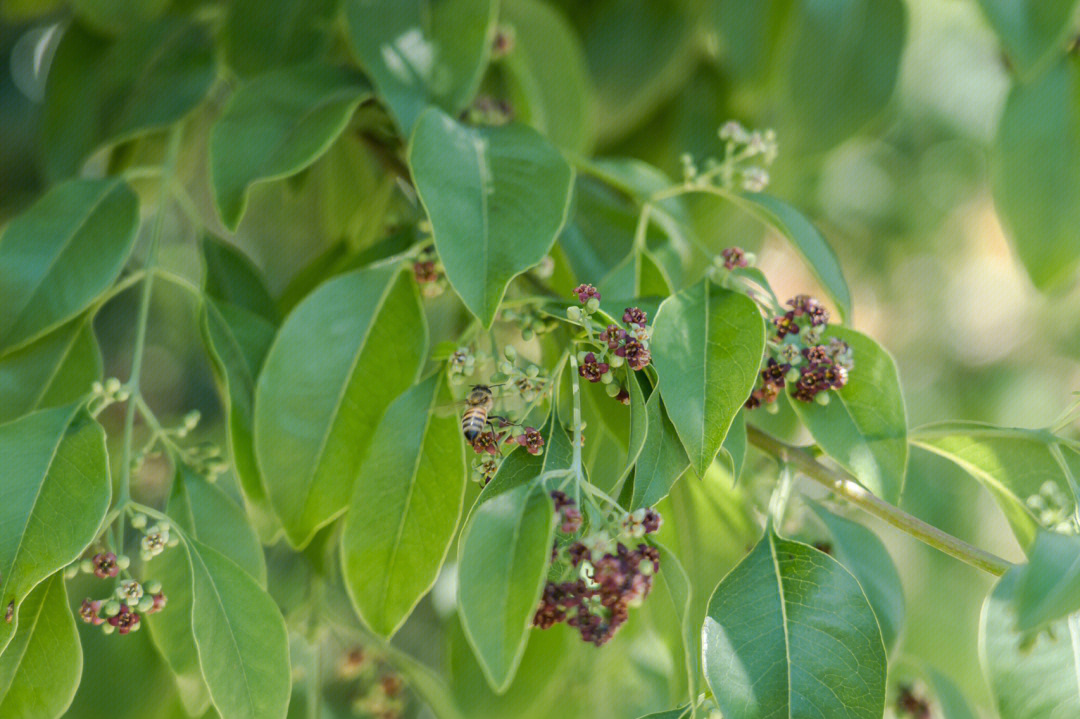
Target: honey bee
(478, 401)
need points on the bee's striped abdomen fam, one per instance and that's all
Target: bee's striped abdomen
(473, 421)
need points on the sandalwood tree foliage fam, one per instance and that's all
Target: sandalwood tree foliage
(502, 358)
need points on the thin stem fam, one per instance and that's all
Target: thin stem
(124, 495)
(843, 485)
(781, 494)
(579, 473)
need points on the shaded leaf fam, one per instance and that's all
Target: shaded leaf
(1034, 32)
(61, 254)
(229, 276)
(864, 426)
(789, 632)
(707, 345)
(414, 475)
(260, 35)
(497, 197)
(337, 363)
(662, 459)
(276, 125)
(1047, 588)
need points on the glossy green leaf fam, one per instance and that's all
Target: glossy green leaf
(422, 52)
(521, 468)
(1017, 465)
(41, 668)
(662, 459)
(864, 426)
(676, 583)
(241, 638)
(1033, 676)
(229, 276)
(502, 565)
(1036, 173)
(414, 474)
(839, 68)
(101, 92)
(116, 16)
(733, 450)
(54, 496)
(636, 386)
(1048, 586)
(865, 556)
(497, 198)
(707, 345)
(789, 632)
(54, 370)
(61, 254)
(1034, 32)
(276, 125)
(548, 82)
(260, 35)
(208, 514)
(807, 241)
(335, 366)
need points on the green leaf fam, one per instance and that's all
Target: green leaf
(1035, 33)
(209, 515)
(864, 426)
(276, 125)
(1016, 465)
(676, 583)
(335, 366)
(56, 491)
(229, 276)
(733, 450)
(404, 509)
(639, 424)
(422, 52)
(1048, 586)
(806, 239)
(839, 69)
(497, 197)
(54, 370)
(548, 83)
(521, 468)
(1033, 676)
(789, 632)
(502, 565)
(680, 713)
(260, 35)
(865, 556)
(40, 671)
(241, 638)
(953, 702)
(662, 459)
(1036, 174)
(62, 254)
(101, 92)
(117, 16)
(707, 345)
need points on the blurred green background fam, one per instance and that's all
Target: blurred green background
(887, 115)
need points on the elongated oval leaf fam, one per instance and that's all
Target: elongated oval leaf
(496, 197)
(404, 509)
(41, 668)
(662, 459)
(230, 277)
(1048, 586)
(53, 370)
(101, 92)
(864, 426)
(260, 35)
(276, 125)
(1036, 173)
(422, 52)
(61, 254)
(789, 632)
(865, 556)
(1014, 464)
(1033, 676)
(707, 345)
(1034, 32)
(503, 562)
(335, 366)
(241, 638)
(54, 496)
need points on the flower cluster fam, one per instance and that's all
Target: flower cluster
(910, 705)
(526, 317)
(380, 691)
(429, 273)
(611, 577)
(797, 355)
(462, 364)
(1053, 508)
(102, 394)
(527, 380)
(156, 537)
(747, 154)
(527, 437)
(735, 257)
(488, 110)
(628, 345)
(123, 612)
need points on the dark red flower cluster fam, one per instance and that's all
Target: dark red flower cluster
(733, 257)
(635, 316)
(487, 442)
(637, 355)
(911, 705)
(426, 272)
(586, 292)
(591, 369)
(89, 611)
(530, 439)
(819, 374)
(569, 515)
(598, 607)
(105, 565)
(805, 305)
(126, 620)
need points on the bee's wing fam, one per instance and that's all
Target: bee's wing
(451, 409)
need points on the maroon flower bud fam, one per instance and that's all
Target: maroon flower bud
(652, 521)
(635, 316)
(531, 440)
(623, 396)
(487, 442)
(126, 621)
(591, 369)
(613, 335)
(816, 355)
(774, 373)
(105, 565)
(733, 257)
(425, 272)
(786, 325)
(754, 400)
(392, 685)
(571, 520)
(577, 552)
(637, 355)
(88, 612)
(159, 603)
(586, 292)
